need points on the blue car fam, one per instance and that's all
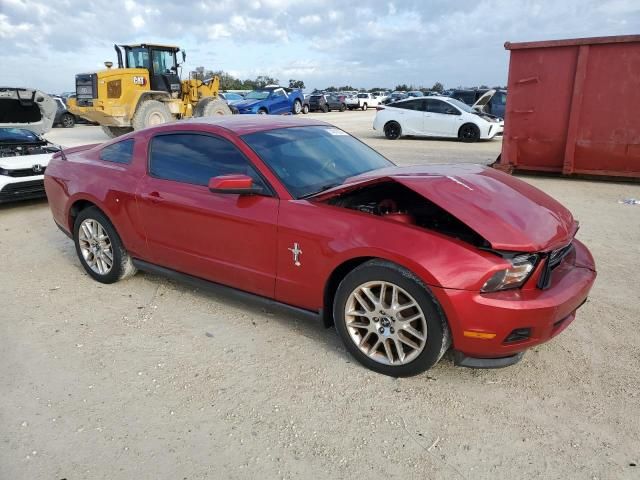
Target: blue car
(272, 100)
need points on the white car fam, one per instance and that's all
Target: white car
(367, 100)
(24, 154)
(435, 117)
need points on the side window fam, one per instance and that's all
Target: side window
(409, 105)
(194, 158)
(278, 93)
(437, 106)
(121, 152)
(500, 98)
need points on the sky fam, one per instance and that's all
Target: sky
(43, 44)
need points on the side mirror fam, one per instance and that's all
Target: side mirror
(234, 184)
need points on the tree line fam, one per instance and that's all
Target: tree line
(229, 82)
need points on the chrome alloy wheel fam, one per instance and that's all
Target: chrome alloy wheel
(95, 246)
(385, 323)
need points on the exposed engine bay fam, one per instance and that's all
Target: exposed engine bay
(399, 203)
(27, 149)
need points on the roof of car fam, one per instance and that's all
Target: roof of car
(244, 124)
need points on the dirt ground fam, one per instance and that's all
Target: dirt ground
(150, 379)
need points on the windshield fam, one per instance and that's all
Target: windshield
(308, 160)
(18, 135)
(257, 95)
(460, 105)
(233, 96)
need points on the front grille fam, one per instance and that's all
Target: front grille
(24, 172)
(86, 89)
(22, 191)
(552, 261)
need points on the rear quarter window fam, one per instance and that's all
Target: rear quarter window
(120, 152)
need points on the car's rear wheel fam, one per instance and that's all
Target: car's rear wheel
(305, 109)
(364, 107)
(325, 108)
(343, 107)
(392, 130)
(262, 111)
(469, 133)
(67, 120)
(389, 321)
(297, 107)
(99, 247)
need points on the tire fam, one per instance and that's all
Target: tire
(305, 109)
(326, 108)
(364, 107)
(212, 107)
(392, 130)
(469, 133)
(86, 242)
(343, 107)
(396, 342)
(150, 113)
(113, 132)
(262, 111)
(67, 120)
(297, 107)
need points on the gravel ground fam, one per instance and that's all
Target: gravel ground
(151, 379)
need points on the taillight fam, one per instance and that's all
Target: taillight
(379, 108)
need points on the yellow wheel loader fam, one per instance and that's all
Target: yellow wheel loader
(144, 90)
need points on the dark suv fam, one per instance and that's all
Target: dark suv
(326, 103)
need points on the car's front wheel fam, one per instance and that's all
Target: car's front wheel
(469, 133)
(305, 109)
(364, 107)
(262, 111)
(99, 247)
(389, 320)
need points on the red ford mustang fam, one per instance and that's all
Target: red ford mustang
(406, 261)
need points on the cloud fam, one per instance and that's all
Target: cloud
(379, 42)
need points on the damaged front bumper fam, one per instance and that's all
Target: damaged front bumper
(490, 330)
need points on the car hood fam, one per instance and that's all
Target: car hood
(27, 108)
(507, 212)
(483, 100)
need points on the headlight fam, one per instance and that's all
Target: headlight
(514, 277)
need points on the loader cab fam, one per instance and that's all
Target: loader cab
(160, 61)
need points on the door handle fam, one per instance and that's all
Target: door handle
(154, 197)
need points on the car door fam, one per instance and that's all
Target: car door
(410, 115)
(441, 118)
(222, 237)
(279, 101)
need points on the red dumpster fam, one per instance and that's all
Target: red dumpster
(573, 107)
